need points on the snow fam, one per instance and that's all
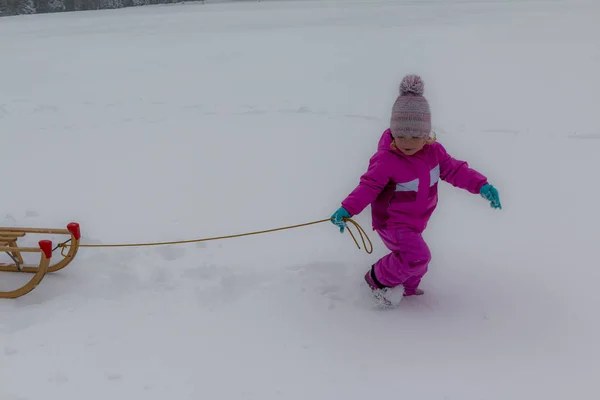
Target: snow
(189, 121)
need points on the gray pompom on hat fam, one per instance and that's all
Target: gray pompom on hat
(411, 116)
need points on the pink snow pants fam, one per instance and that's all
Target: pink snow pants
(407, 262)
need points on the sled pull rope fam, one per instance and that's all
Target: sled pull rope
(363, 236)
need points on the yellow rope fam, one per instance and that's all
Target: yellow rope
(361, 231)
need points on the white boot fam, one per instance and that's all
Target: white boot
(385, 297)
(389, 297)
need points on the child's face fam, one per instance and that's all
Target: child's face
(409, 145)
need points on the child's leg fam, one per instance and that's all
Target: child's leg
(412, 283)
(407, 262)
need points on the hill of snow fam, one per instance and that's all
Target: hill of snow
(189, 121)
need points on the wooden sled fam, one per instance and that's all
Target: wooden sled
(8, 245)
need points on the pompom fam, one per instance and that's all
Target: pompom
(412, 84)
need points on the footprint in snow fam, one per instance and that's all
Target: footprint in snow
(10, 351)
(330, 280)
(32, 214)
(336, 283)
(219, 285)
(111, 376)
(58, 378)
(9, 219)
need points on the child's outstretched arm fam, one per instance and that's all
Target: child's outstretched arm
(371, 184)
(459, 174)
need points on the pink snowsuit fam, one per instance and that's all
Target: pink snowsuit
(402, 192)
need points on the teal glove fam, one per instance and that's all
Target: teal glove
(490, 193)
(338, 218)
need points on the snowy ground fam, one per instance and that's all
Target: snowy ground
(187, 121)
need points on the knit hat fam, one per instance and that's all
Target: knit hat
(410, 113)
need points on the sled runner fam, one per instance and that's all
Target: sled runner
(8, 244)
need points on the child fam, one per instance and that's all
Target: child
(401, 186)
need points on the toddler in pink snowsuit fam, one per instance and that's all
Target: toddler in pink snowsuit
(401, 185)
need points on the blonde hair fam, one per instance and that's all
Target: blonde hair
(430, 140)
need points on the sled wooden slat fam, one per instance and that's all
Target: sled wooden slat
(34, 230)
(13, 268)
(11, 234)
(21, 249)
(9, 245)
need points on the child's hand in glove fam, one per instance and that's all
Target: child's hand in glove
(338, 218)
(490, 193)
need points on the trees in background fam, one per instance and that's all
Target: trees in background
(18, 7)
